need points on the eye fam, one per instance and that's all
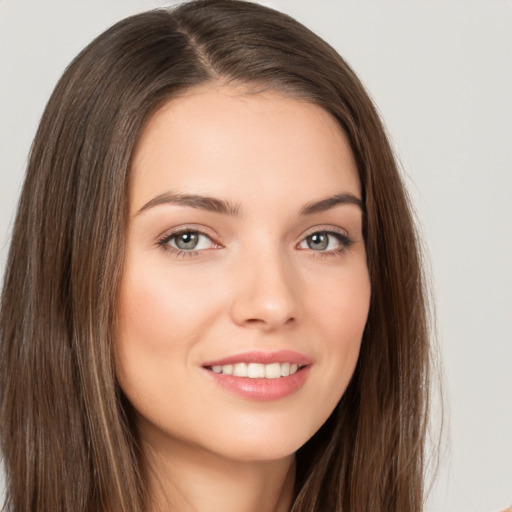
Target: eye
(188, 240)
(325, 241)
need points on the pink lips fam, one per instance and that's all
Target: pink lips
(281, 356)
(261, 388)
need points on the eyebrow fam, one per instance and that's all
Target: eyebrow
(221, 206)
(330, 202)
(210, 204)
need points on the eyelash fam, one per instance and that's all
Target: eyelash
(345, 242)
(164, 242)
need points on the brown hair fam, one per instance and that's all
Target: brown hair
(67, 440)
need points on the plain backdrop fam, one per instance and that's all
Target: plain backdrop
(440, 73)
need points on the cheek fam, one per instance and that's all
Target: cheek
(162, 311)
(342, 302)
(160, 319)
(342, 312)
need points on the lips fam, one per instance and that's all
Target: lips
(261, 375)
(281, 356)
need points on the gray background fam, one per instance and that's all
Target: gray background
(441, 74)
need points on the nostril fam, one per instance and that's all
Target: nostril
(254, 321)
(259, 322)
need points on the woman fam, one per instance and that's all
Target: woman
(214, 280)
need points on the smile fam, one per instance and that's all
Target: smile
(261, 376)
(257, 370)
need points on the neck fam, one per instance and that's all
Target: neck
(192, 480)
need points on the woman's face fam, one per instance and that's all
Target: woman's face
(245, 289)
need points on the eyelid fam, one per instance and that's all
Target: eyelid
(345, 240)
(324, 228)
(163, 240)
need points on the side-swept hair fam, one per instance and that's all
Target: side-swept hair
(67, 440)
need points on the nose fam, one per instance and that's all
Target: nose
(266, 292)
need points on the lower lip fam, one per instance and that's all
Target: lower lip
(262, 389)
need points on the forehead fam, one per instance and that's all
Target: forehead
(223, 141)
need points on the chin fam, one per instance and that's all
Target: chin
(258, 450)
(258, 442)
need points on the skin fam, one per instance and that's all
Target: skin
(255, 282)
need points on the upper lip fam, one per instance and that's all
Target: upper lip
(280, 356)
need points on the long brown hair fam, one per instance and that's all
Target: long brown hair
(67, 439)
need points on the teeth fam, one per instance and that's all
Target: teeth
(240, 370)
(257, 370)
(273, 371)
